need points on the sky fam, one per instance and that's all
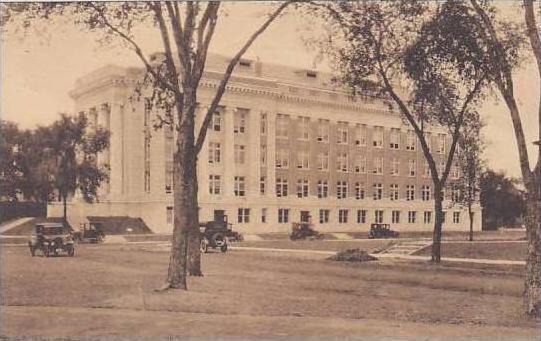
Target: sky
(38, 71)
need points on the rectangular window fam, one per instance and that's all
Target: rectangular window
(395, 166)
(323, 161)
(428, 139)
(322, 189)
(412, 215)
(282, 126)
(281, 187)
(412, 167)
(425, 193)
(304, 128)
(324, 216)
(263, 185)
(240, 154)
(427, 173)
(216, 124)
(378, 165)
(239, 122)
(169, 214)
(361, 135)
(282, 158)
(341, 189)
(263, 155)
(410, 192)
(427, 217)
(456, 194)
(455, 171)
(411, 140)
(377, 140)
(303, 159)
(263, 124)
(378, 191)
(395, 218)
(214, 152)
(302, 188)
(456, 217)
(361, 216)
(394, 192)
(147, 162)
(215, 184)
(323, 131)
(343, 216)
(283, 215)
(378, 216)
(93, 119)
(244, 215)
(342, 162)
(168, 176)
(359, 191)
(263, 215)
(240, 189)
(360, 166)
(394, 138)
(342, 137)
(441, 143)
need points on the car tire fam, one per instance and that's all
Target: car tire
(203, 246)
(46, 252)
(223, 248)
(71, 251)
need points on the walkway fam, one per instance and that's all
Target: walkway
(14, 223)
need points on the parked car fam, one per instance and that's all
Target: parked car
(216, 234)
(304, 230)
(51, 239)
(89, 233)
(381, 231)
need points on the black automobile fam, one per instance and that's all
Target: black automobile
(216, 234)
(51, 239)
(304, 230)
(89, 233)
(381, 231)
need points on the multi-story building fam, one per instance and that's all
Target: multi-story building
(286, 144)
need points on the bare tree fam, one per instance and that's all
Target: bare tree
(185, 30)
(503, 58)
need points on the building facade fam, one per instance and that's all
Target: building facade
(285, 145)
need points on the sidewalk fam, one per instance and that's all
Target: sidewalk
(15, 223)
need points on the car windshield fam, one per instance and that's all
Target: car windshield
(49, 230)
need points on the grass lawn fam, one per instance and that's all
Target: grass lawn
(108, 290)
(500, 250)
(368, 245)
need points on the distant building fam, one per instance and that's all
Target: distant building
(285, 145)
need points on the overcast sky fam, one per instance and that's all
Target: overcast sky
(39, 70)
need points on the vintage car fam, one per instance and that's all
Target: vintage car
(381, 231)
(216, 234)
(89, 233)
(304, 230)
(51, 239)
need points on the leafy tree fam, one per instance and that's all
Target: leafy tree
(10, 168)
(185, 30)
(500, 37)
(419, 57)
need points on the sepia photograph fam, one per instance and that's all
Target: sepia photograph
(363, 170)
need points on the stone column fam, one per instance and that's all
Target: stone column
(228, 152)
(116, 149)
(104, 115)
(271, 154)
(254, 149)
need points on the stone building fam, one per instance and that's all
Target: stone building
(286, 144)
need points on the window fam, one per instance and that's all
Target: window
(427, 217)
(342, 162)
(378, 216)
(341, 189)
(302, 188)
(147, 180)
(378, 191)
(378, 165)
(410, 192)
(394, 138)
(359, 191)
(323, 161)
(361, 216)
(283, 215)
(168, 176)
(394, 194)
(455, 173)
(343, 216)
(456, 217)
(342, 133)
(263, 215)
(395, 217)
(456, 194)
(281, 187)
(377, 140)
(304, 128)
(169, 214)
(245, 63)
(263, 185)
(412, 215)
(240, 154)
(360, 166)
(441, 143)
(411, 140)
(282, 126)
(323, 131)
(443, 217)
(93, 115)
(323, 216)
(244, 215)
(426, 171)
(425, 193)
(361, 135)
(322, 189)
(441, 167)
(214, 152)
(263, 124)
(240, 189)
(303, 159)
(412, 167)
(147, 162)
(395, 166)
(216, 124)
(428, 139)
(239, 122)
(215, 184)
(282, 158)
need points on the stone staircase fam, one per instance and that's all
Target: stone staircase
(408, 247)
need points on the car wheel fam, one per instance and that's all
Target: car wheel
(223, 248)
(71, 251)
(203, 246)
(46, 252)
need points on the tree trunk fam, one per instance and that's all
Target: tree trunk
(532, 284)
(194, 239)
(470, 215)
(64, 202)
(436, 235)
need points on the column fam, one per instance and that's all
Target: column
(254, 149)
(271, 154)
(228, 153)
